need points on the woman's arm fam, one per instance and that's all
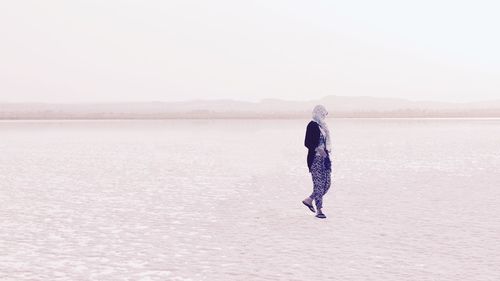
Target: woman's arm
(312, 135)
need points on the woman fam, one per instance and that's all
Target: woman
(318, 160)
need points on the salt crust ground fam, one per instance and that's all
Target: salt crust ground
(220, 200)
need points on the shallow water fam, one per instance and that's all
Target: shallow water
(412, 199)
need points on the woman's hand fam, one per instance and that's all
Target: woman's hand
(321, 152)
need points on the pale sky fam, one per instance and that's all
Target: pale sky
(160, 50)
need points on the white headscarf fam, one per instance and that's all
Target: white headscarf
(318, 115)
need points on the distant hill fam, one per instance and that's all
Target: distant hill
(338, 106)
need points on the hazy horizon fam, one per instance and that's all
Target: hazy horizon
(215, 99)
(114, 51)
(366, 107)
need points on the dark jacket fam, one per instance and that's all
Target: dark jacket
(311, 142)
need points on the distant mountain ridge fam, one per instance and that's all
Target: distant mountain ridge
(338, 106)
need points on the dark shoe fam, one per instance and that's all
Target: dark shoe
(321, 216)
(309, 206)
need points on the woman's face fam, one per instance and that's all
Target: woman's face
(324, 114)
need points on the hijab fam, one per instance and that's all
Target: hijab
(318, 115)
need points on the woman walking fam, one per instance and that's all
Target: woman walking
(318, 159)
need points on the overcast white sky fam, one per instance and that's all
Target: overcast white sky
(160, 50)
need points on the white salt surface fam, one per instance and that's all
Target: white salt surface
(220, 200)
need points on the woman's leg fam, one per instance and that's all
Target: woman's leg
(321, 182)
(328, 181)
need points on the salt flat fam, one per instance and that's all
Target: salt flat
(412, 199)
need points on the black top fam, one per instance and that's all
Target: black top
(311, 141)
(312, 135)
